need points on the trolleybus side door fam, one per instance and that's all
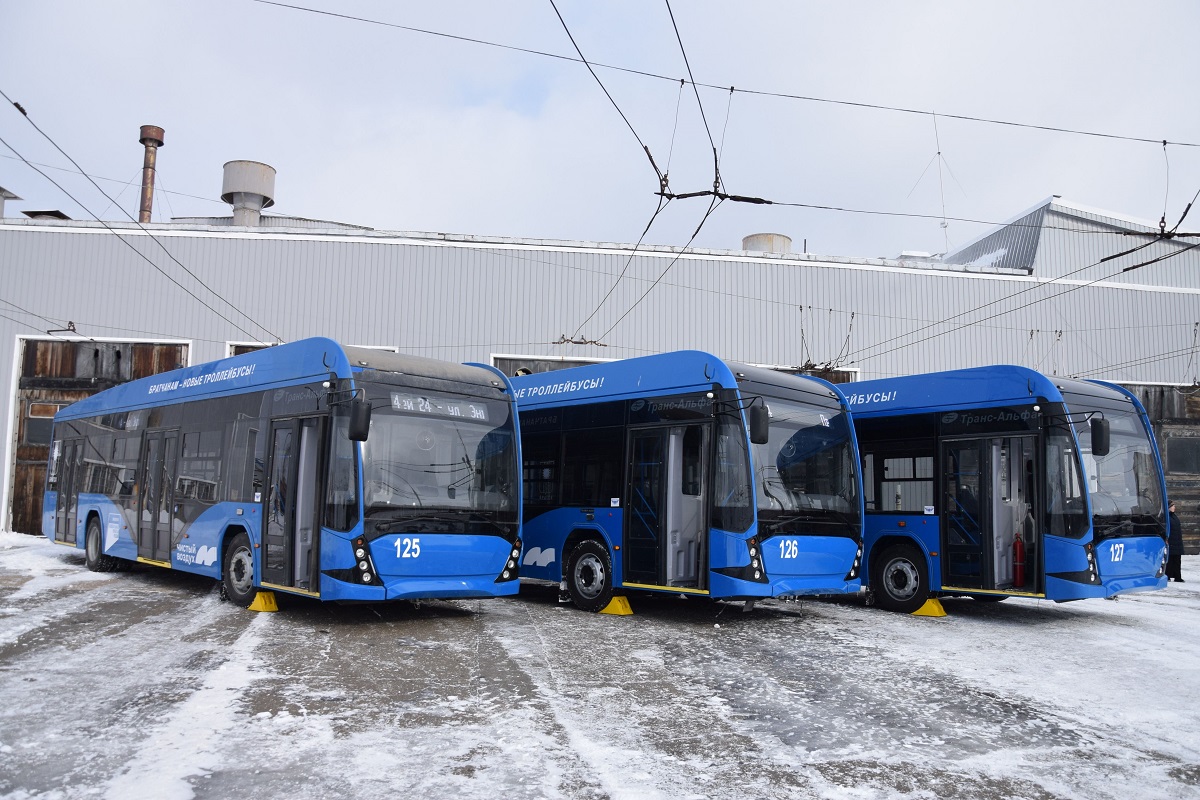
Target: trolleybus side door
(156, 503)
(666, 518)
(290, 519)
(70, 474)
(988, 507)
(964, 508)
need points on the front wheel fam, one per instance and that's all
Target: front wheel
(900, 578)
(238, 574)
(93, 546)
(589, 576)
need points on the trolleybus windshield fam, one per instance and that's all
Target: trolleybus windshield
(1122, 485)
(805, 475)
(437, 451)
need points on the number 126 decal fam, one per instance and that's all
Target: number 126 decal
(788, 548)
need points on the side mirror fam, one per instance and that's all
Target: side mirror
(360, 420)
(1100, 437)
(760, 422)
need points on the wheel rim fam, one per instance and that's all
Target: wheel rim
(241, 571)
(589, 576)
(900, 579)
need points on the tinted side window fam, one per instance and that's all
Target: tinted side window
(540, 470)
(592, 466)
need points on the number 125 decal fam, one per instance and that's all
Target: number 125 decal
(408, 548)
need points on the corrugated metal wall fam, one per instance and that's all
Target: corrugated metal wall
(465, 301)
(468, 301)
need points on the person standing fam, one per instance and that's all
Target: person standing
(1174, 545)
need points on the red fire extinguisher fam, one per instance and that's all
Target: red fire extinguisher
(1019, 561)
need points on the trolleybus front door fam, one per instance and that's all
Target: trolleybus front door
(665, 542)
(290, 505)
(964, 534)
(70, 473)
(156, 504)
(987, 506)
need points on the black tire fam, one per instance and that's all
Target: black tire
(589, 576)
(900, 578)
(237, 573)
(989, 598)
(93, 548)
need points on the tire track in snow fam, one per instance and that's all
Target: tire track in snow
(187, 744)
(613, 686)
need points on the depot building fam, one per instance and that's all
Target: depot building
(86, 305)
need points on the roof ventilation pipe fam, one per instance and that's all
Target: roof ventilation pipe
(767, 243)
(152, 137)
(5, 194)
(249, 187)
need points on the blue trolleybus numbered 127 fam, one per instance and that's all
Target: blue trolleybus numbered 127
(1000, 481)
(339, 473)
(684, 474)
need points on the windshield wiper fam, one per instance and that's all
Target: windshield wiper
(478, 517)
(388, 525)
(443, 516)
(816, 515)
(1105, 528)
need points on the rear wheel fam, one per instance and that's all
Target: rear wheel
(900, 578)
(589, 576)
(93, 547)
(238, 573)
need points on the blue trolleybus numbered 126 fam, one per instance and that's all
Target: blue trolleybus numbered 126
(681, 473)
(1000, 481)
(334, 472)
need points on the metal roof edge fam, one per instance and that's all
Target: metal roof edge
(411, 238)
(373, 236)
(1049, 201)
(1110, 217)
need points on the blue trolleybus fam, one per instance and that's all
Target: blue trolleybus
(681, 473)
(1000, 481)
(339, 473)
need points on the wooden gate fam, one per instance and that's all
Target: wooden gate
(54, 374)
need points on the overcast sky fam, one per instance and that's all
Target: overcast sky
(372, 124)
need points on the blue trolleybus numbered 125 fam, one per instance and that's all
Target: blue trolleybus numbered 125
(681, 473)
(1000, 481)
(339, 473)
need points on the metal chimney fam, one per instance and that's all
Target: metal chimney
(249, 187)
(152, 138)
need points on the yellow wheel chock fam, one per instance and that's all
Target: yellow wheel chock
(619, 605)
(264, 601)
(932, 608)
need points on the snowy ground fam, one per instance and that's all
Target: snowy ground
(145, 685)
